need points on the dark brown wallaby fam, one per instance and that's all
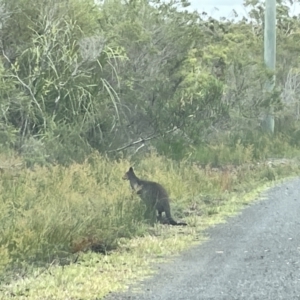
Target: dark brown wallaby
(153, 194)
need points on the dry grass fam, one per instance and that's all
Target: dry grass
(50, 217)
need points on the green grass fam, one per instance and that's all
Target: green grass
(50, 217)
(232, 148)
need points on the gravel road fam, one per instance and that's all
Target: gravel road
(255, 255)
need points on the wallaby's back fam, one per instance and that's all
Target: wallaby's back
(153, 194)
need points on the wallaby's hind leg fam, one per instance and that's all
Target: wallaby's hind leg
(159, 217)
(150, 214)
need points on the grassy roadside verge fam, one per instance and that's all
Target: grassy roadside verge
(50, 213)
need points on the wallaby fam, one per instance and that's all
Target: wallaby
(153, 194)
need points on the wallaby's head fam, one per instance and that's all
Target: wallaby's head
(129, 174)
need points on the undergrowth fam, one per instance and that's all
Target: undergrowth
(232, 148)
(49, 214)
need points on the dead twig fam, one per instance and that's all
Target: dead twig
(142, 140)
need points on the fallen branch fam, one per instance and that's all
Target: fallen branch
(141, 140)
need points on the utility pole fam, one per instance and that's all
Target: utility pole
(270, 56)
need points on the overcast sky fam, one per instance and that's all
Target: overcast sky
(224, 8)
(218, 8)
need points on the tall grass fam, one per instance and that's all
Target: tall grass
(52, 212)
(233, 148)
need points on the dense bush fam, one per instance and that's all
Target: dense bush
(76, 76)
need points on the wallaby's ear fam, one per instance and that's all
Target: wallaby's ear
(130, 169)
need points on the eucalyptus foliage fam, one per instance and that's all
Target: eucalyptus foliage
(77, 76)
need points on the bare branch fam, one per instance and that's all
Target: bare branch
(142, 140)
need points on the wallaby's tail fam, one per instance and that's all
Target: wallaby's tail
(173, 222)
(170, 219)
